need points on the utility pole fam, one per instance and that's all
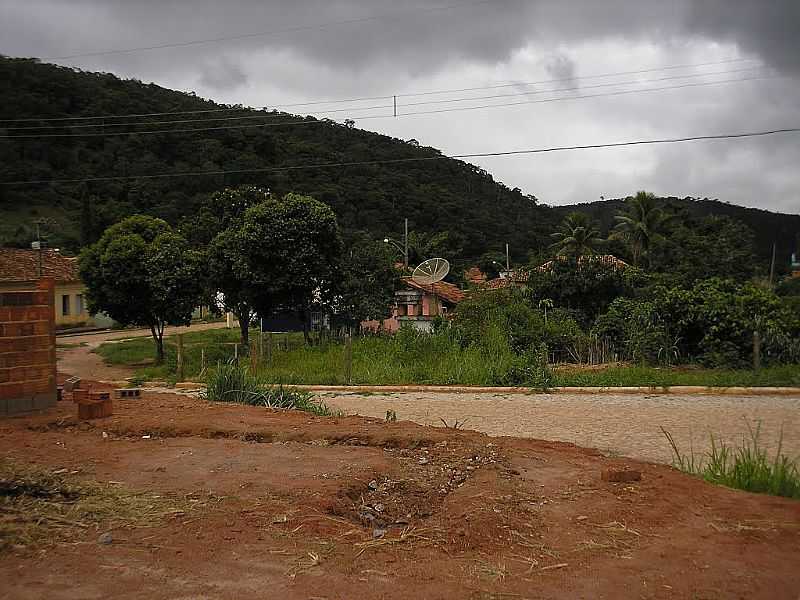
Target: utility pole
(38, 245)
(508, 262)
(772, 268)
(405, 245)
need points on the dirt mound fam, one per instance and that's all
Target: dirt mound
(291, 505)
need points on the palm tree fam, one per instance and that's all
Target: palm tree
(640, 223)
(577, 235)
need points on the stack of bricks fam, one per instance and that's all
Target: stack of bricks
(27, 347)
(92, 405)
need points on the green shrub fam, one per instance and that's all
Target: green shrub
(234, 383)
(747, 467)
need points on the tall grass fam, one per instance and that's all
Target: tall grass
(746, 467)
(412, 357)
(235, 383)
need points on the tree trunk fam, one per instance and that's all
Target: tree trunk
(158, 337)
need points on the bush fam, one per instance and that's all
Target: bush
(234, 383)
(713, 323)
(747, 467)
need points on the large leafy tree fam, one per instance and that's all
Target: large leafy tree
(142, 273)
(368, 279)
(577, 235)
(640, 224)
(215, 228)
(281, 254)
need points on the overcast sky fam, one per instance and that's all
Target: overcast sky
(378, 47)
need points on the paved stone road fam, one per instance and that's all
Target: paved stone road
(618, 424)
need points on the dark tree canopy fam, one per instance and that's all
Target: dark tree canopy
(141, 272)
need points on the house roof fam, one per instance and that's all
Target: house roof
(521, 276)
(511, 278)
(475, 275)
(18, 264)
(446, 291)
(606, 259)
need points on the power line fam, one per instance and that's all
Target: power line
(405, 95)
(367, 117)
(522, 83)
(694, 138)
(582, 97)
(580, 87)
(377, 107)
(203, 120)
(266, 33)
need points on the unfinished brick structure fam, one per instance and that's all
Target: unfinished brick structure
(27, 346)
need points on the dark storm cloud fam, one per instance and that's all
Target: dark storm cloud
(412, 45)
(413, 34)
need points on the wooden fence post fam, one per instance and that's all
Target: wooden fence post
(179, 368)
(756, 350)
(254, 354)
(348, 360)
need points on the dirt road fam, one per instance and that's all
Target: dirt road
(75, 356)
(616, 424)
(288, 505)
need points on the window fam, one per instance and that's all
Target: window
(79, 308)
(65, 305)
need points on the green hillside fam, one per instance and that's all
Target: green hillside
(479, 214)
(435, 195)
(767, 227)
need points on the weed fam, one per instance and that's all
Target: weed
(234, 383)
(747, 467)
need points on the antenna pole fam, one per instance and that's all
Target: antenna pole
(405, 245)
(772, 268)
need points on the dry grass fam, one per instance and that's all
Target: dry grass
(39, 507)
(408, 536)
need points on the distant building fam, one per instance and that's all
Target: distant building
(795, 266)
(520, 277)
(418, 305)
(18, 265)
(475, 276)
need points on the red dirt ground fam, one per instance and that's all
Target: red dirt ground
(298, 501)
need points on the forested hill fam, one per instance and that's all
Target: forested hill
(438, 195)
(768, 227)
(435, 195)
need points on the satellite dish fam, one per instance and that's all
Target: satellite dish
(431, 271)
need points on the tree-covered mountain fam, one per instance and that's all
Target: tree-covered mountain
(767, 227)
(454, 208)
(436, 195)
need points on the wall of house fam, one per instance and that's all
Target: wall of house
(27, 346)
(70, 306)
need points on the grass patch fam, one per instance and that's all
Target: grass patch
(745, 467)
(39, 507)
(234, 383)
(413, 358)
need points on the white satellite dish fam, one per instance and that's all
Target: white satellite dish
(431, 271)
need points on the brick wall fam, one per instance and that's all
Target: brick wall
(27, 346)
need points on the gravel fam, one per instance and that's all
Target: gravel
(617, 424)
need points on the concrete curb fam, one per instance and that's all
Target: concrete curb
(452, 389)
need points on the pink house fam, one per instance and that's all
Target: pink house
(417, 306)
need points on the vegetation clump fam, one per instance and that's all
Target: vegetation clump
(235, 383)
(745, 467)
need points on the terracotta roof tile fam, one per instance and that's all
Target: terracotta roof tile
(446, 291)
(23, 265)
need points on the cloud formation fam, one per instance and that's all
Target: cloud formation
(382, 47)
